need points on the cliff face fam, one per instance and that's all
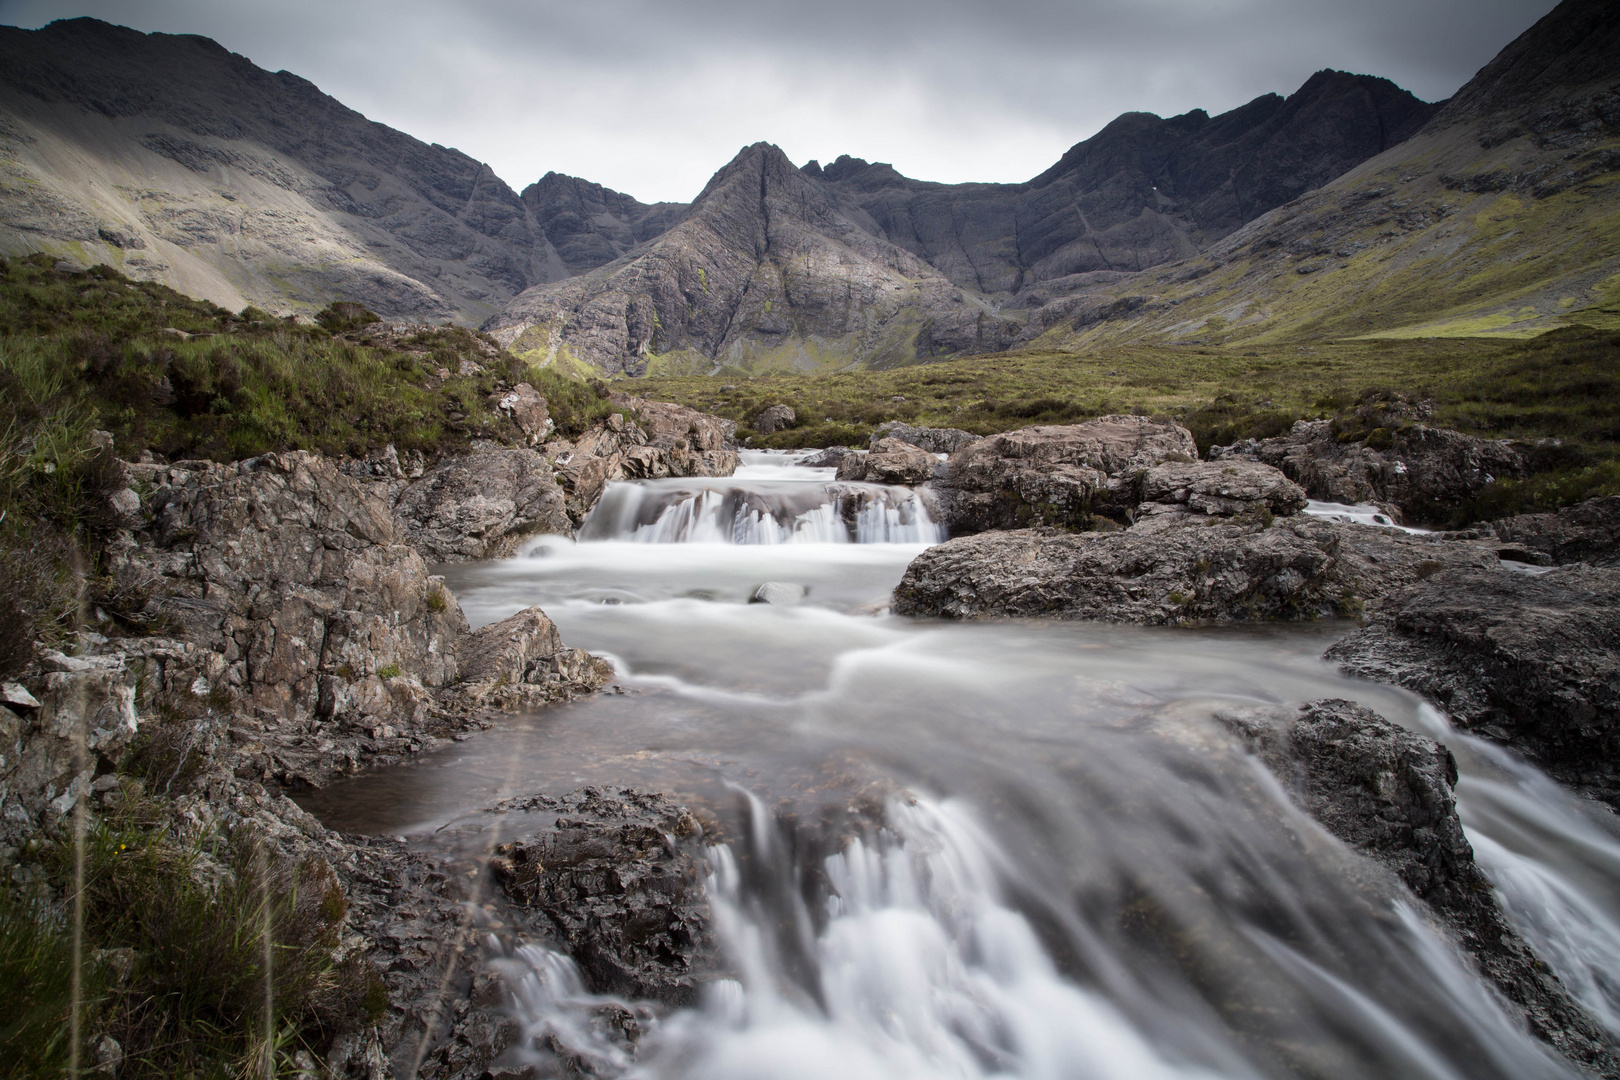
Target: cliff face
(171, 158)
(768, 265)
(1143, 191)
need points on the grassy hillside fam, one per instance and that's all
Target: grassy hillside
(1561, 390)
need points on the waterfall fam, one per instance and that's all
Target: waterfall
(760, 512)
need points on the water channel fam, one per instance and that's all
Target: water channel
(1009, 849)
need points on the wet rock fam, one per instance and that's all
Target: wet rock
(934, 440)
(615, 885)
(1056, 476)
(520, 663)
(780, 593)
(1531, 661)
(775, 418)
(1176, 568)
(890, 461)
(1588, 532)
(669, 441)
(1222, 488)
(1388, 793)
(1427, 472)
(482, 505)
(830, 458)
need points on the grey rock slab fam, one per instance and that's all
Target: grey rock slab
(934, 440)
(1529, 660)
(481, 505)
(1188, 569)
(1388, 793)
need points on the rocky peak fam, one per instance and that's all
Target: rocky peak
(1529, 84)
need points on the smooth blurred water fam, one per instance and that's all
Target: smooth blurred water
(1008, 849)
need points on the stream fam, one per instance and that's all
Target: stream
(1001, 849)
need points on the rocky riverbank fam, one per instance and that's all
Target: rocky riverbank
(273, 624)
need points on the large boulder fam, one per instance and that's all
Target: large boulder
(1221, 488)
(618, 883)
(1058, 476)
(300, 579)
(520, 663)
(1427, 472)
(1185, 570)
(1389, 794)
(481, 505)
(890, 461)
(1588, 532)
(933, 439)
(1531, 661)
(527, 410)
(775, 418)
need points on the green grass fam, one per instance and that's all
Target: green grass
(1562, 386)
(244, 384)
(182, 943)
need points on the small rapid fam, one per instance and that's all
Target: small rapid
(798, 505)
(1002, 849)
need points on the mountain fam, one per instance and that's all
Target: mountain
(171, 158)
(1141, 192)
(855, 264)
(767, 267)
(1501, 215)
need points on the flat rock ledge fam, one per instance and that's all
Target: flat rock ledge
(1388, 793)
(1178, 568)
(1531, 661)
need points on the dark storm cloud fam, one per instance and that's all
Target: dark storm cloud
(651, 97)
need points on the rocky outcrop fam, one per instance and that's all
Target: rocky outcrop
(775, 418)
(480, 505)
(668, 440)
(1588, 532)
(617, 883)
(1427, 472)
(890, 461)
(1387, 793)
(1058, 476)
(1531, 661)
(932, 439)
(1177, 568)
(301, 610)
(520, 663)
(1219, 488)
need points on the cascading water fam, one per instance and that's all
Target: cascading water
(984, 850)
(808, 506)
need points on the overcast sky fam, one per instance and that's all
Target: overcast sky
(652, 96)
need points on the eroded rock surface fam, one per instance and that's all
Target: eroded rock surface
(1054, 475)
(1221, 488)
(520, 663)
(934, 440)
(1588, 532)
(482, 504)
(614, 884)
(1425, 471)
(1532, 661)
(890, 461)
(1177, 568)
(1388, 793)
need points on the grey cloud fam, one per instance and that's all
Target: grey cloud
(651, 97)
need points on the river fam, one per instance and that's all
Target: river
(1003, 849)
